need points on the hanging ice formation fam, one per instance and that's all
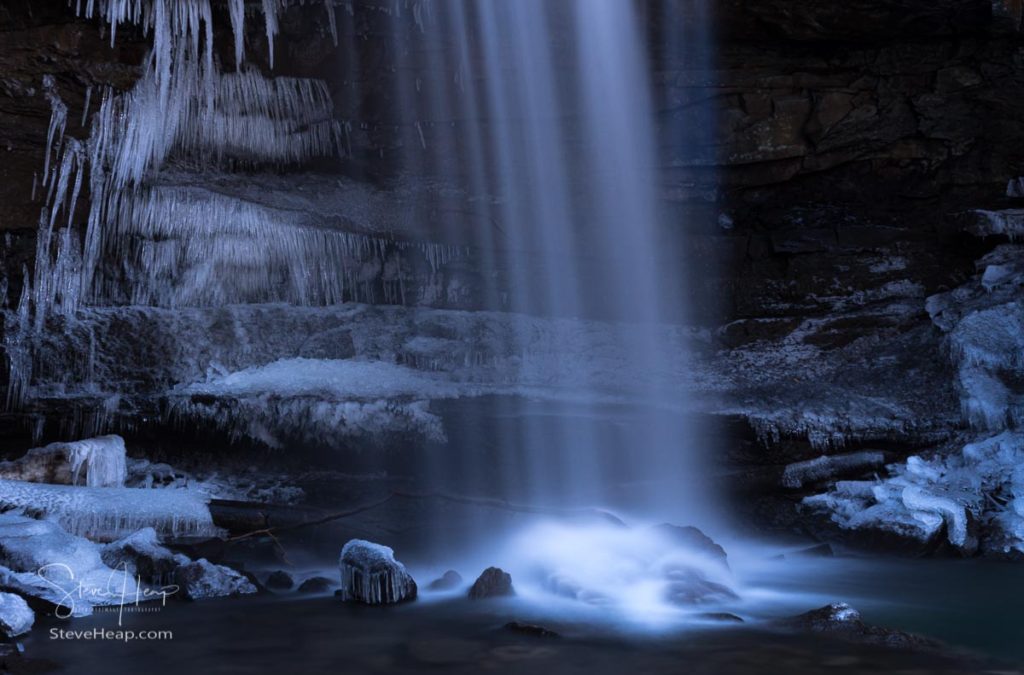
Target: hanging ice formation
(179, 244)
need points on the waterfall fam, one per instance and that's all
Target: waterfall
(543, 112)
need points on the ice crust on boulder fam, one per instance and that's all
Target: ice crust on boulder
(201, 579)
(94, 462)
(39, 559)
(142, 556)
(16, 617)
(371, 575)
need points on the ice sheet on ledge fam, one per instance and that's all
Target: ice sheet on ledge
(110, 513)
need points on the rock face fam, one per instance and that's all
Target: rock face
(16, 618)
(493, 582)
(202, 579)
(371, 575)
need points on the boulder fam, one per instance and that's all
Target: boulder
(141, 556)
(693, 540)
(843, 621)
(316, 585)
(279, 581)
(492, 583)
(94, 462)
(449, 580)
(690, 587)
(371, 575)
(57, 571)
(16, 618)
(202, 579)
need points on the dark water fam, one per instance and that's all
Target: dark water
(263, 635)
(974, 607)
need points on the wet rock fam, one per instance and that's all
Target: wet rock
(819, 551)
(141, 556)
(696, 590)
(316, 585)
(279, 581)
(530, 629)
(828, 467)
(721, 617)
(843, 621)
(202, 579)
(16, 618)
(692, 539)
(492, 583)
(567, 587)
(371, 575)
(449, 580)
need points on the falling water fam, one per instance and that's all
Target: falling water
(542, 114)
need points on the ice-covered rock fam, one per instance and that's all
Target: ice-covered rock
(970, 492)
(493, 582)
(41, 560)
(371, 575)
(201, 579)
(16, 617)
(94, 462)
(142, 556)
(109, 513)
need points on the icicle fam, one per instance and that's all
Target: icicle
(236, 10)
(270, 8)
(332, 20)
(85, 108)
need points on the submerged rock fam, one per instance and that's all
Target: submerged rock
(16, 618)
(141, 556)
(279, 581)
(202, 579)
(316, 585)
(530, 629)
(371, 575)
(449, 580)
(720, 617)
(492, 583)
(698, 591)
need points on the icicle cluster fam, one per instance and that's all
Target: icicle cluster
(183, 108)
(102, 460)
(187, 246)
